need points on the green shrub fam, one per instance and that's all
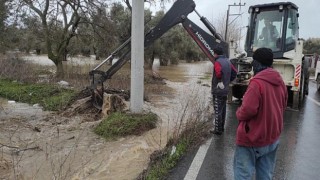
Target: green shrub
(120, 124)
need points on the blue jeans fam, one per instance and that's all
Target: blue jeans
(260, 160)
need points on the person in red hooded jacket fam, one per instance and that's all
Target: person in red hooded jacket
(260, 119)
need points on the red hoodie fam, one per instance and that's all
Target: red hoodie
(261, 114)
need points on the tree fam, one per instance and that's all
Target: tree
(104, 32)
(127, 2)
(59, 22)
(3, 17)
(234, 28)
(311, 46)
(33, 36)
(173, 45)
(152, 51)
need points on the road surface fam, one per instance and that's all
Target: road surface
(298, 155)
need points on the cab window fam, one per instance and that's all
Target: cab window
(292, 29)
(268, 30)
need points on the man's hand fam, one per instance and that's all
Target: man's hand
(220, 85)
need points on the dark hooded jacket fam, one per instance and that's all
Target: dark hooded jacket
(221, 73)
(261, 113)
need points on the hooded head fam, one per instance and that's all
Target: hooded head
(264, 56)
(218, 50)
(262, 59)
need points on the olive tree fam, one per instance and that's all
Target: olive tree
(311, 46)
(60, 20)
(3, 17)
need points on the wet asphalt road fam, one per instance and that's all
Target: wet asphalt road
(298, 156)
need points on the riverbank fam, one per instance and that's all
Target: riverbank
(46, 145)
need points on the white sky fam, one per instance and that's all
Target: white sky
(309, 20)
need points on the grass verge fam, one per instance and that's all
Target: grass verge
(50, 97)
(162, 162)
(120, 124)
(190, 130)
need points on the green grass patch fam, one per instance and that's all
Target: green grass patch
(50, 97)
(161, 168)
(163, 161)
(121, 124)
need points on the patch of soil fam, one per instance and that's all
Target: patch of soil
(5, 166)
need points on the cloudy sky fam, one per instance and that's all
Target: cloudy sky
(309, 11)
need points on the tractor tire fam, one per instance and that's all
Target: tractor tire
(238, 91)
(318, 82)
(306, 76)
(304, 84)
(302, 90)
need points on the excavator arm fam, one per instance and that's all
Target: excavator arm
(205, 41)
(177, 14)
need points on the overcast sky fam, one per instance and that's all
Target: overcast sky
(309, 10)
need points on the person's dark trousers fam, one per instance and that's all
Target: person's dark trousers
(220, 107)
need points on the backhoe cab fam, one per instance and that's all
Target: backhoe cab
(275, 26)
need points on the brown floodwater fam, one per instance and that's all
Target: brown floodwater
(184, 71)
(36, 144)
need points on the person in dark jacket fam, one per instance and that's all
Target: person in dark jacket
(260, 119)
(220, 88)
(269, 34)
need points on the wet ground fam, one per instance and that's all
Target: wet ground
(44, 145)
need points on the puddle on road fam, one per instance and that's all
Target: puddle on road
(66, 148)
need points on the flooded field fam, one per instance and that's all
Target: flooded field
(37, 144)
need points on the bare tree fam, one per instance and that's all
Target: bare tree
(127, 2)
(234, 28)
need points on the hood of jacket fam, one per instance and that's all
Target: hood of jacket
(271, 76)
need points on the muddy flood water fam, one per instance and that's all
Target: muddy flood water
(37, 144)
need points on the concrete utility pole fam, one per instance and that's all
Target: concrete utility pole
(137, 57)
(228, 14)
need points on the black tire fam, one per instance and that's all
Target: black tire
(238, 91)
(302, 90)
(304, 82)
(306, 76)
(318, 82)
